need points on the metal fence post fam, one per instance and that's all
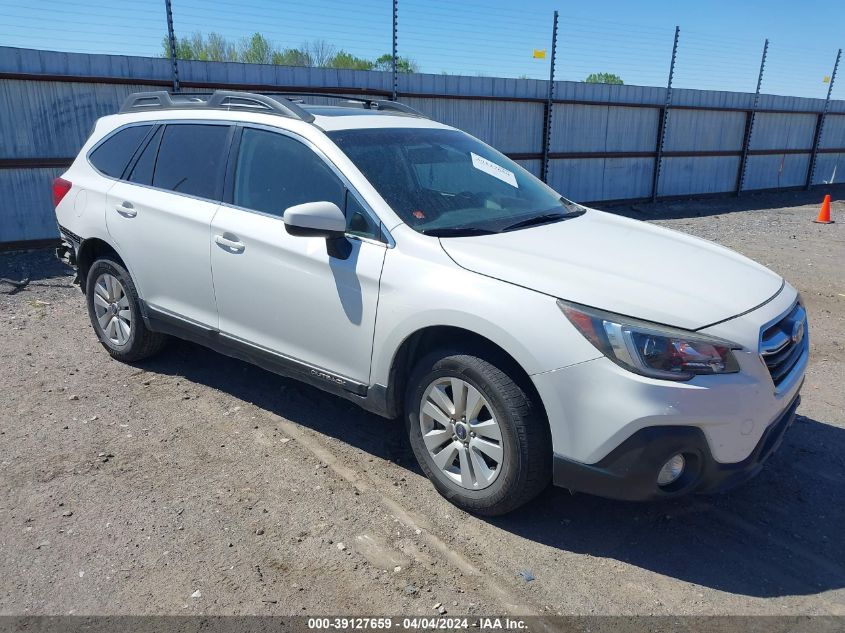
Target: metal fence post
(664, 120)
(749, 122)
(395, 93)
(811, 172)
(171, 37)
(547, 126)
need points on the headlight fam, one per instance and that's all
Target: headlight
(649, 349)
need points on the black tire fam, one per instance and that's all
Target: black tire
(527, 462)
(141, 343)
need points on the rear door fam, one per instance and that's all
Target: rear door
(159, 216)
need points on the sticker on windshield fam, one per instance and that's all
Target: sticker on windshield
(491, 168)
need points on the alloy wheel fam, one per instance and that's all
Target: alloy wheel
(461, 433)
(111, 307)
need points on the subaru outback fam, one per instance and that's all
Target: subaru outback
(410, 268)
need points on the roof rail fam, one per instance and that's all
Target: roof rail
(383, 104)
(357, 102)
(217, 100)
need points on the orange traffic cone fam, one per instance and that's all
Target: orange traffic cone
(824, 212)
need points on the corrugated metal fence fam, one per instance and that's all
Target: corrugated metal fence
(603, 142)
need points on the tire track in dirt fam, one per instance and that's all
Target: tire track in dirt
(409, 518)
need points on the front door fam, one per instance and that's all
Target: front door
(299, 297)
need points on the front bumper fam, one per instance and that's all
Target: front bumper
(612, 429)
(629, 472)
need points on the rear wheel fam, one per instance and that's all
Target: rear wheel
(116, 314)
(477, 433)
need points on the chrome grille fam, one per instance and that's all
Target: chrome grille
(783, 343)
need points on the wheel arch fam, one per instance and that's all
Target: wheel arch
(90, 250)
(425, 339)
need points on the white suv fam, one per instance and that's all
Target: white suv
(410, 268)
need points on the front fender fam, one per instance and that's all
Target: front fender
(422, 287)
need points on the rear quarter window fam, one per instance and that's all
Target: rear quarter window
(113, 155)
(142, 172)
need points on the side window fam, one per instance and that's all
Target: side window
(191, 159)
(142, 172)
(275, 172)
(112, 156)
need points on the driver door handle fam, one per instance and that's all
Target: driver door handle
(229, 244)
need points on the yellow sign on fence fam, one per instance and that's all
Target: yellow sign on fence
(539, 54)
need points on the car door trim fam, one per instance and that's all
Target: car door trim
(160, 320)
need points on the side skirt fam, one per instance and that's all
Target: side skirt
(373, 399)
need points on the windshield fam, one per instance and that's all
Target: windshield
(446, 183)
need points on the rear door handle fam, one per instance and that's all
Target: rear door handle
(229, 244)
(126, 210)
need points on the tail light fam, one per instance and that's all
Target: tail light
(60, 189)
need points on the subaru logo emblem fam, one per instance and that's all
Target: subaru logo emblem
(461, 432)
(797, 332)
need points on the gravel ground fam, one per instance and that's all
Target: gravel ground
(194, 483)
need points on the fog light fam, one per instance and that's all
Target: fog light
(671, 470)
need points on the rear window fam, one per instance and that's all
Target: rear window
(191, 159)
(112, 156)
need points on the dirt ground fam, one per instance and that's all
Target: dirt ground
(197, 484)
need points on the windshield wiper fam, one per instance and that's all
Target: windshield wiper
(544, 218)
(457, 231)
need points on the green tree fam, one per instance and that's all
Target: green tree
(184, 47)
(604, 78)
(219, 49)
(213, 48)
(348, 60)
(291, 57)
(403, 64)
(256, 50)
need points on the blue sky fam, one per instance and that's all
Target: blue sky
(720, 43)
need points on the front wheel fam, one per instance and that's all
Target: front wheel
(477, 433)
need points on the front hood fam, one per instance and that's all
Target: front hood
(623, 266)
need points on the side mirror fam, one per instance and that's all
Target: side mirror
(315, 219)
